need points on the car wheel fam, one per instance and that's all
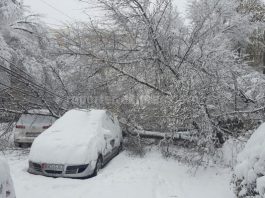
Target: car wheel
(98, 166)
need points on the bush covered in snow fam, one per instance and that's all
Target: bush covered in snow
(249, 176)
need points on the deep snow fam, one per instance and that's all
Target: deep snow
(126, 176)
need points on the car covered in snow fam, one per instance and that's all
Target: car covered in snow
(6, 184)
(30, 125)
(77, 145)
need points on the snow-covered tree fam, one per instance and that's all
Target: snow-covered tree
(9, 12)
(25, 62)
(194, 68)
(249, 179)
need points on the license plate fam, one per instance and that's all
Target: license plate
(56, 167)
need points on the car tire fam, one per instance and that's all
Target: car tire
(98, 166)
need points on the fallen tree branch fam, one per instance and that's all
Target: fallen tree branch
(178, 135)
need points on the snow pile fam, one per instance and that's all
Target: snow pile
(75, 138)
(127, 176)
(6, 184)
(250, 170)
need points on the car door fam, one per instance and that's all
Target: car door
(115, 139)
(108, 148)
(118, 134)
(109, 137)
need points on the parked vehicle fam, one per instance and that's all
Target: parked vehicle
(30, 125)
(6, 184)
(77, 145)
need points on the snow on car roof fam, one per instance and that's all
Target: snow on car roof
(80, 120)
(39, 111)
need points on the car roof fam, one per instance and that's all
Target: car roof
(78, 120)
(39, 111)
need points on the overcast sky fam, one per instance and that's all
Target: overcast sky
(56, 12)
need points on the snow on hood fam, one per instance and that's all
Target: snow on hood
(73, 139)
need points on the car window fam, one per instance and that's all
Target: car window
(29, 120)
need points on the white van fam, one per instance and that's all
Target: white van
(6, 184)
(30, 125)
(77, 145)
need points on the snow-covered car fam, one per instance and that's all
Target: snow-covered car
(30, 125)
(6, 184)
(77, 145)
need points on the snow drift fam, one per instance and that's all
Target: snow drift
(250, 170)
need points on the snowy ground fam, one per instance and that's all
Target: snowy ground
(126, 176)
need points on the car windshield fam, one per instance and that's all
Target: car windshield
(36, 120)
